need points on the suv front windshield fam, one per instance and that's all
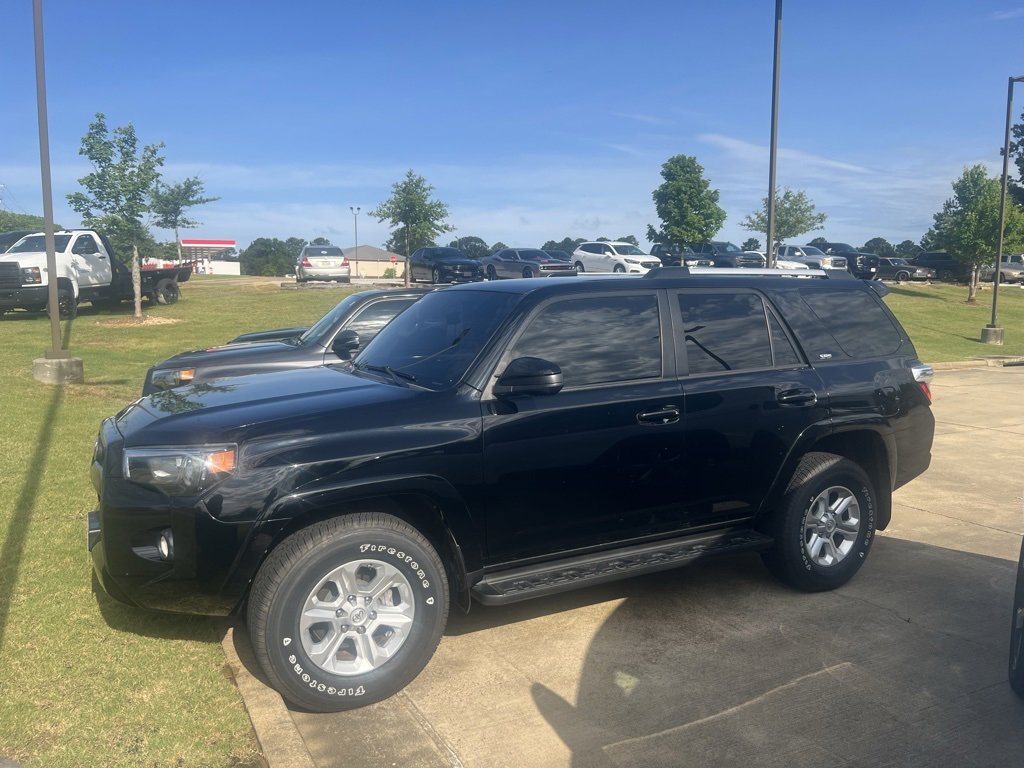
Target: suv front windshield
(434, 342)
(629, 250)
(37, 244)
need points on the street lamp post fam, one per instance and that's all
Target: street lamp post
(355, 227)
(992, 333)
(770, 245)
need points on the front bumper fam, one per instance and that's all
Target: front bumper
(31, 297)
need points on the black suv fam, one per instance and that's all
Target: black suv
(443, 265)
(679, 256)
(947, 267)
(505, 440)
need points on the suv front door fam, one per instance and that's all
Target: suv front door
(91, 263)
(601, 460)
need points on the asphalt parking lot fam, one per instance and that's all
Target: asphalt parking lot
(720, 664)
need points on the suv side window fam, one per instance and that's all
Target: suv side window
(725, 332)
(856, 321)
(598, 339)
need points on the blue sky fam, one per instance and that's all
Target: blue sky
(533, 120)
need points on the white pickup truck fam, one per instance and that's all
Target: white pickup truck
(87, 270)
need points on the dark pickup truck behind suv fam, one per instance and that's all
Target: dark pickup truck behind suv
(505, 440)
(862, 264)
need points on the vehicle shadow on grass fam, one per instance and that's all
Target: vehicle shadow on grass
(721, 665)
(902, 291)
(166, 626)
(13, 548)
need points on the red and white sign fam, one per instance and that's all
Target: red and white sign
(393, 259)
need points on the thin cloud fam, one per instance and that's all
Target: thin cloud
(651, 119)
(1012, 13)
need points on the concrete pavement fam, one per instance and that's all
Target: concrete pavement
(720, 664)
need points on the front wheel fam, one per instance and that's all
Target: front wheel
(491, 272)
(67, 305)
(579, 267)
(902, 277)
(1016, 669)
(527, 272)
(348, 611)
(167, 291)
(435, 276)
(825, 524)
(619, 269)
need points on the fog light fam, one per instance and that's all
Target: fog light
(166, 544)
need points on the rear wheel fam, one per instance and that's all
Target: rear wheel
(167, 291)
(348, 611)
(946, 275)
(825, 524)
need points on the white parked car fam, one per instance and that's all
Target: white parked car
(809, 256)
(613, 256)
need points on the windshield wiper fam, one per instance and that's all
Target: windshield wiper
(399, 377)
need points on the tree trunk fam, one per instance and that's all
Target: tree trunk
(137, 281)
(407, 273)
(177, 241)
(972, 286)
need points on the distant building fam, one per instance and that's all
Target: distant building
(369, 261)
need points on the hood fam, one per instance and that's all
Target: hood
(228, 410)
(229, 354)
(456, 261)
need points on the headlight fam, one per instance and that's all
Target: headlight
(185, 471)
(30, 275)
(631, 261)
(173, 377)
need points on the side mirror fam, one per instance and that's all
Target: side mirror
(345, 344)
(529, 376)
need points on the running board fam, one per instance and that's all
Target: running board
(517, 584)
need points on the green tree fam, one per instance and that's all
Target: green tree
(319, 241)
(880, 247)
(818, 242)
(685, 203)
(169, 203)
(567, 244)
(794, 215)
(498, 246)
(908, 249)
(472, 246)
(119, 189)
(1017, 156)
(10, 221)
(628, 239)
(416, 219)
(753, 244)
(968, 224)
(270, 256)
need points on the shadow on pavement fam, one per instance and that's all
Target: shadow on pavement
(720, 665)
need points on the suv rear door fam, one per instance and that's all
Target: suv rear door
(748, 396)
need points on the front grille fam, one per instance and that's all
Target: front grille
(650, 264)
(10, 274)
(838, 262)
(749, 261)
(556, 267)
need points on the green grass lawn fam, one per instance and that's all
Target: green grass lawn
(86, 681)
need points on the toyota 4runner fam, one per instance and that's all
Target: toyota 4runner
(506, 440)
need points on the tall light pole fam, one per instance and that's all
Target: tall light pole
(993, 334)
(355, 227)
(775, 134)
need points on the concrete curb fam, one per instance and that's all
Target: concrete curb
(995, 361)
(279, 739)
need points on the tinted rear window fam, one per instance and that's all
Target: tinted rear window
(856, 321)
(324, 250)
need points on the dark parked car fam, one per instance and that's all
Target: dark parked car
(505, 440)
(727, 255)
(7, 239)
(679, 256)
(896, 268)
(862, 264)
(524, 262)
(443, 265)
(947, 267)
(334, 338)
(1016, 670)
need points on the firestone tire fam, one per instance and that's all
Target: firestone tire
(167, 291)
(1015, 672)
(347, 612)
(825, 524)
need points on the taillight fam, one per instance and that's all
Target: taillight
(344, 261)
(923, 375)
(305, 262)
